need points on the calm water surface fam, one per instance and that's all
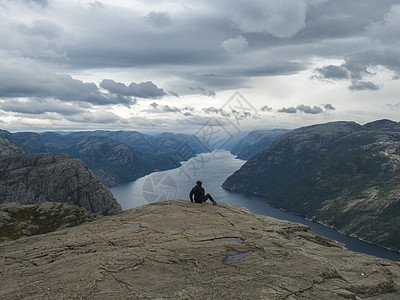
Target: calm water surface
(212, 169)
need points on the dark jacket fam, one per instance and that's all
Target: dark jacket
(198, 193)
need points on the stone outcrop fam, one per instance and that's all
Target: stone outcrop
(180, 250)
(8, 149)
(18, 220)
(36, 178)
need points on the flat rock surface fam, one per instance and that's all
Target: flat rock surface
(180, 250)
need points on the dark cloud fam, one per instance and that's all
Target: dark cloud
(40, 106)
(309, 110)
(154, 105)
(332, 72)
(329, 107)
(193, 37)
(363, 85)
(211, 110)
(289, 110)
(360, 65)
(268, 17)
(203, 91)
(266, 108)
(302, 108)
(270, 69)
(363, 63)
(168, 108)
(172, 93)
(156, 108)
(342, 19)
(240, 115)
(142, 90)
(188, 108)
(29, 81)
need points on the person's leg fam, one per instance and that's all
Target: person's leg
(208, 197)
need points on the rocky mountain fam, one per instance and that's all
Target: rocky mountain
(172, 142)
(213, 252)
(135, 140)
(116, 157)
(113, 162)
(8, 149)
(28, 141)
(122, 156)
(255, 142)
(36, 178)
(341, 174)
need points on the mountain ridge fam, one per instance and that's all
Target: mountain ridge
(116, 157)
(341, 174)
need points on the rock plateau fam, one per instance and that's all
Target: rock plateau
(180, 250)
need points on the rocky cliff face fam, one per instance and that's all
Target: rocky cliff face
(181, 250)
(35, 178)
(8, 149)
(342, 174)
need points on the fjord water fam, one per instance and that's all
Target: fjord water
(212, 169)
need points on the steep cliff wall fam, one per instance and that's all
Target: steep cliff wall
(35, 178)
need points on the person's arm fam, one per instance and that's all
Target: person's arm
(203, 192)
(191, 195)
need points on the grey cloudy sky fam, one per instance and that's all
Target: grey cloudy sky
(172, 65)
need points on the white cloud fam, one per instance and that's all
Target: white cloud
(235, 45)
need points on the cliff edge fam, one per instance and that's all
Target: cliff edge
(180, 250)
(45, 177)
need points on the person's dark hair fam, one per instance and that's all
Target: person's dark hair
(198, 182)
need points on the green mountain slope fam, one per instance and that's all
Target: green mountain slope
(342, 174)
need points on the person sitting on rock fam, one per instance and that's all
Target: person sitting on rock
(199, 196)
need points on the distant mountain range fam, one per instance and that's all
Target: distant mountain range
(341, 174)
(254, 142)
(116, 157)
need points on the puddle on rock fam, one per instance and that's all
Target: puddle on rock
(135, 225)
(234, 256)
(229, 239)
